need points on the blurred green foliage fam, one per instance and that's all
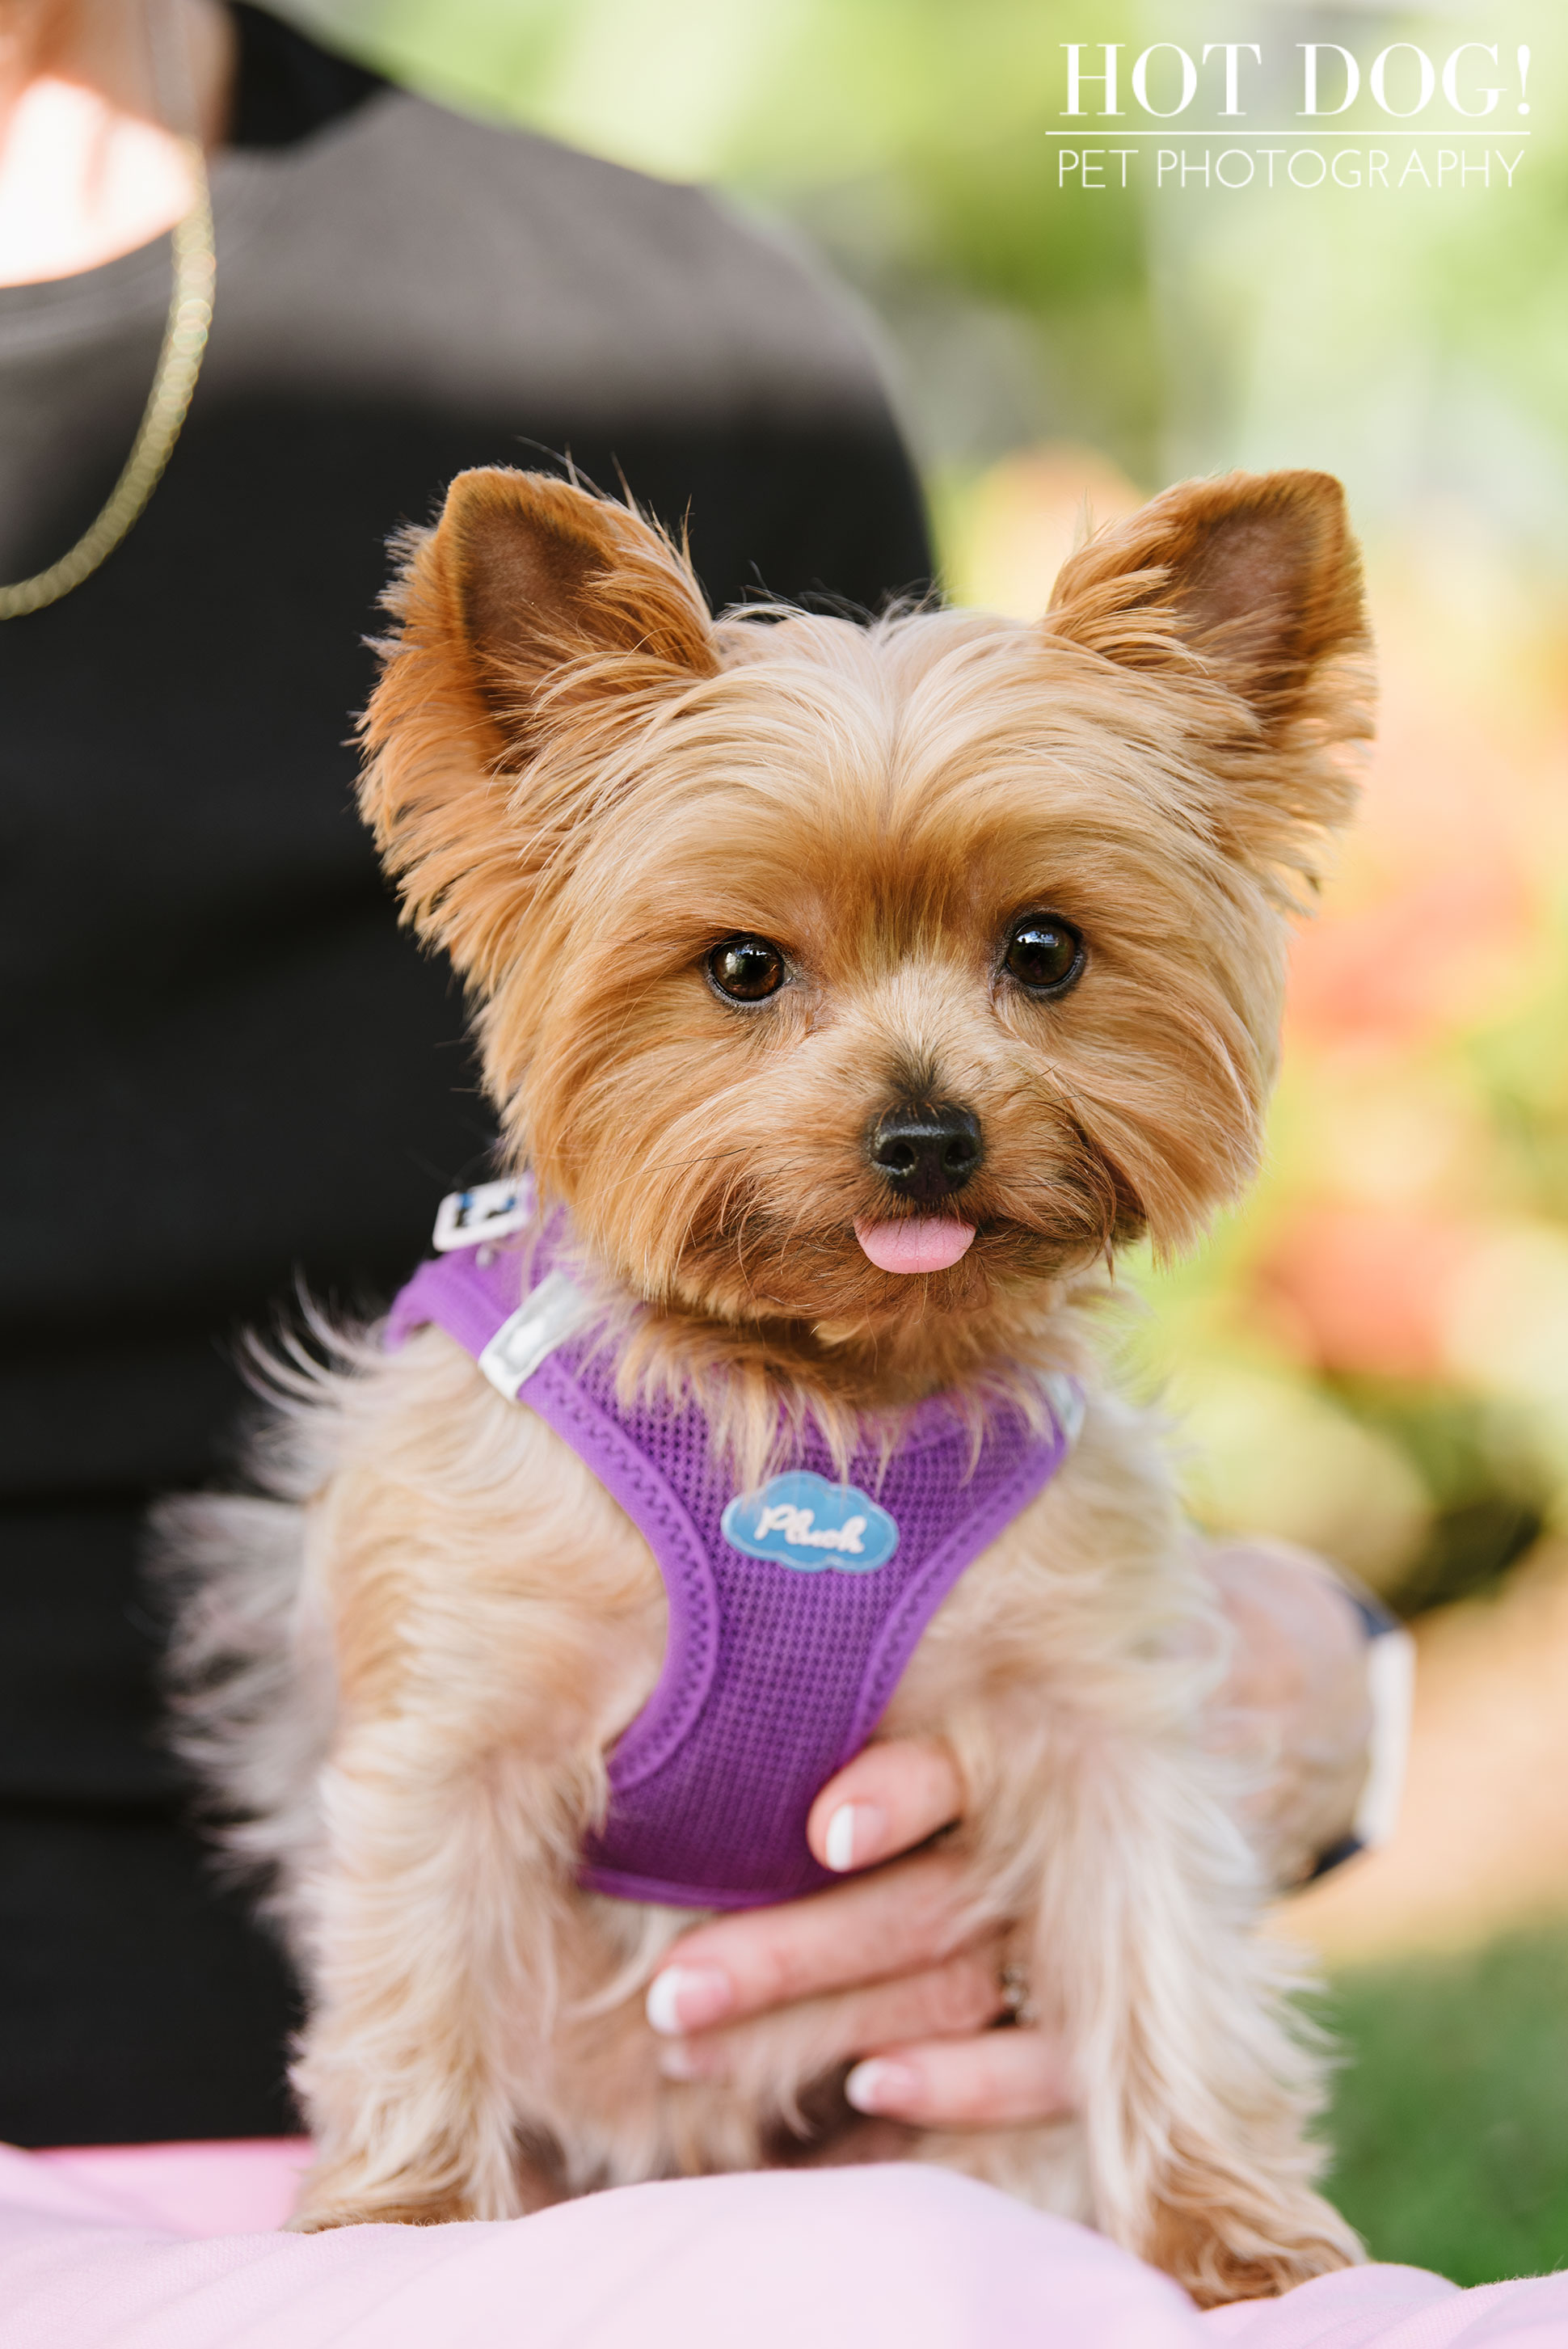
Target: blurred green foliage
(1522, 1066)
(1450, 2123)
(1490, 1497)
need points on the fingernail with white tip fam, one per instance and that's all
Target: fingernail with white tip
(855, 1836)
(881, 2086)
(689, 1998)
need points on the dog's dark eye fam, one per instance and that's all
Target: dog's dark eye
(746, 969)
(1043, 954)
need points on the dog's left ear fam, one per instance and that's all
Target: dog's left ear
(1253, 579)
(535, 623)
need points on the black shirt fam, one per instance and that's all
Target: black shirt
(224, 1066)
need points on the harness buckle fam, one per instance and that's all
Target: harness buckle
(490, 1210)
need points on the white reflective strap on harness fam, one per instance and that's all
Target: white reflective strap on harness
(1065, 1398)
(556, 1311)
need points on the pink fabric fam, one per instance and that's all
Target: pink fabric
(1400, 2308)
(236, 2186)
(167, 2247)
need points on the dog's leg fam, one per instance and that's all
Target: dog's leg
(430, 1936)
(1197, 2092)
(1192, 2090)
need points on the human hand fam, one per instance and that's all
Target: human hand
(886, 1968)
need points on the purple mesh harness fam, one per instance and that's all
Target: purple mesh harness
(792, 1610)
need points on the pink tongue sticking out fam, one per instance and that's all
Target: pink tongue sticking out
(923, 1244)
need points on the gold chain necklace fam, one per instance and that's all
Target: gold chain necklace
(178, 365)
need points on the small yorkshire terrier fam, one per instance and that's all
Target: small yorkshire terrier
(847, 996)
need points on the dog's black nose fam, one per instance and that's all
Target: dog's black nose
(926, 1153)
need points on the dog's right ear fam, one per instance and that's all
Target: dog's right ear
(535, 616)
(541, 574)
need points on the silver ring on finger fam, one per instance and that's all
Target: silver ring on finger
(1019, 2008)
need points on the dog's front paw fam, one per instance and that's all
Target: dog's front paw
(316, 2215)
(1221, 2252)
(352, 2189)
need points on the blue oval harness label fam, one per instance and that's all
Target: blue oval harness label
(800, 1520)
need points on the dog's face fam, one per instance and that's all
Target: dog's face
(854, 979)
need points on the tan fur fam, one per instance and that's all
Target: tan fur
(409, 1666)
